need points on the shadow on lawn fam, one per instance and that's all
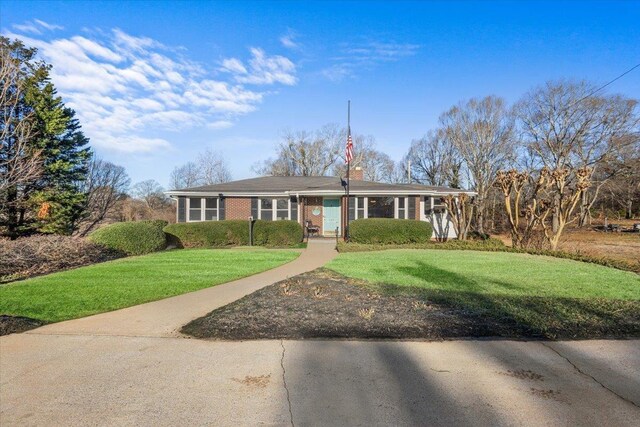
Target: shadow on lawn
(530, 316)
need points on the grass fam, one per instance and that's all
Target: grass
(497, 273)
(130, 281)
(540, 296)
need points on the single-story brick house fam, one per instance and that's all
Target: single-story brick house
(320, 200)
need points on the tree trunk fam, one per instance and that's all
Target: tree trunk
(480, 216)
(12, 213)
(555, 220)
(584, 210)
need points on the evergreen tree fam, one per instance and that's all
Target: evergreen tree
(52, 202)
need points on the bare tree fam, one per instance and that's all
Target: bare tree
(213, 168)
(21, 163)
(564, 125)
(304, 153)
(209, 168)
(185, 176)
(624, 186)
(481, 130)
(460, 208)
(151, 193)
(105, 184)
(537, 198)
(376, 165)
(434, 160)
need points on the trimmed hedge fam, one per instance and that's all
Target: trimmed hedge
(490, 244)
(277, 233)
(208, 234)
(212, 234)
(389, 231)
(132, 238)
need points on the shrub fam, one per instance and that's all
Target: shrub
(211, 234)
(132, 238)
(43, 254)
(474, 245)
(277, 233)
(476, 235)
(208, 234)
(388, 231)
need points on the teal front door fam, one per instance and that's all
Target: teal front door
(331, 216)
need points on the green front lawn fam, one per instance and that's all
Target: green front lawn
(489, 273)
(535, 296)
(130, 281)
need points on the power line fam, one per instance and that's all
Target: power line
(607, 84)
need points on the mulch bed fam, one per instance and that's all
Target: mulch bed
(324, 304)
(15, 324)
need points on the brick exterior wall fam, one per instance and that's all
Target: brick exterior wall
(356, 174)
(238, 208)
(417, 217)
(310, 203)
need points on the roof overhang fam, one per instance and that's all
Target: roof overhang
(321, 193)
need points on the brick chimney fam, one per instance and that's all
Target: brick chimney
(357, 174)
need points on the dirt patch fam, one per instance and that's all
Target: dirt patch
(524, 375)
(547, 394)
(324, 304)
(260, 382)
(588, 241)
(15, 324)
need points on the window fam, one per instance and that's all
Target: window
(211, 209)
(360, 207)
(266, 209)
(195, 209)
(282, 209)
(380, 207)
(356, 208)
(402, 208)
(277, 209)
(438, 205)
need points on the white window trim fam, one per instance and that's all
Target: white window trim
(357, 207)
(203, 208)
(274, 208)
(189, 209)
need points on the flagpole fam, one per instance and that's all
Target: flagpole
(346, 231)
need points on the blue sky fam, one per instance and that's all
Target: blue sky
(154, 83)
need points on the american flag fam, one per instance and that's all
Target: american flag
(349, 153)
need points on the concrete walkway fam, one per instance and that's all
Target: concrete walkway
(165, 317)
(77, 380)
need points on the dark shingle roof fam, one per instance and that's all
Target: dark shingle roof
(307, 184)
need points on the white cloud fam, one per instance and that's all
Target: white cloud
(220, 124)
(233, 65)
(36, 26)
(27, 28)
(262, 69)
(50, 27)
(288, 40)
(338, 72)
(362, 56)
(125, 88)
